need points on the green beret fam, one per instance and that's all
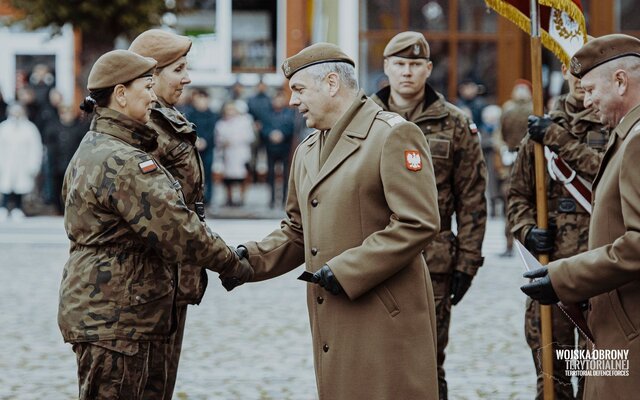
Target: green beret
(602, 50)
(315, 54)
(165, 47)
(407, 45)
(118, 66)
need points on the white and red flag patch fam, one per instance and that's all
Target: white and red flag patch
(148, 166)
(473, 128)
(412, 160)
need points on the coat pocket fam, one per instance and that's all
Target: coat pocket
(149, 290)
(623, 319)
(387, 299)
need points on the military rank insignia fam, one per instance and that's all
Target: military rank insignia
(473, 128)
(412, 160)
(148, 166)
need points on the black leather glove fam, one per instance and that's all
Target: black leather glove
(537, 127)
(540, 241)
(239, 274)
(325, 278)
(540, 288)
(460, 283)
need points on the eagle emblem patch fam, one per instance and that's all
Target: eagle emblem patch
(412, 160)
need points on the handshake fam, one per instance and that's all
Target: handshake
(239, 273)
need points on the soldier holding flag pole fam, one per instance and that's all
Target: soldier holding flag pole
(554, 14)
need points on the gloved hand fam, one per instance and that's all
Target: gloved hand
(540, 289)
(239, 273)
(460, 283)
(325, 278)
(537, 127)
(540, 241)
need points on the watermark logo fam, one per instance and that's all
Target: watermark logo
(596, 362)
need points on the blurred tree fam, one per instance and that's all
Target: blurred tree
(99, 22)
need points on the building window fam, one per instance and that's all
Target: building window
(253, 35)
(628, 16)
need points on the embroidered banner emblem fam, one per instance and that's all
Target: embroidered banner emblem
(412, 160)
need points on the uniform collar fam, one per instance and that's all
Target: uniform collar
(432, 104)
(628, 122)
(116, 124)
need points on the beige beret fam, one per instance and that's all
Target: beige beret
(315, 54)
(118, 66)
(165, 47)
(407, 45)
(602, 50)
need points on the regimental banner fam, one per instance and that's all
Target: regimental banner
(562, 23)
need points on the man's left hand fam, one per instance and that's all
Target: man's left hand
(460, 283)
(540, 288)
(537, 127)
(325, 278)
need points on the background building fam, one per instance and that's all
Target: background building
(245, 40)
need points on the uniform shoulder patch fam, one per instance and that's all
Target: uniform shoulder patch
(390, 118)
(147, 166)
(473, 128)
(412, 160)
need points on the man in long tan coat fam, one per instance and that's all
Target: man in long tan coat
(362, 204)
(608, 274)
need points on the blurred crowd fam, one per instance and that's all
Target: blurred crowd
(501, 127)
(245, 136)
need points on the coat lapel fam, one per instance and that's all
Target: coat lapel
(627, 124)
(312, 156)
(350, 140)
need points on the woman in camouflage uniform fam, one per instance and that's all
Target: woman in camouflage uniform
(178, 153)
(130, 229)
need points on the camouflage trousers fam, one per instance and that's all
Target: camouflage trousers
(564, 336)
(114, 370)
(162, 375)
(442, 297)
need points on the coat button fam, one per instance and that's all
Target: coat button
(138, 298)
(314, 251)
(325, 348)
(314, 202)
(320, 299)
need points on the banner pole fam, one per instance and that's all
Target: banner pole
(542, 212)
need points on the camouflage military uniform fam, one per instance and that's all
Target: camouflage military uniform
(176, 152)
(129, 228)
(578, 137)
(461, 179)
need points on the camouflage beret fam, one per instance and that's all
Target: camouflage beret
(165, 47)
(315, 54)
(602, 50)
(407, 45)
(118, 66)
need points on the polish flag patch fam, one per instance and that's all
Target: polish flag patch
(148, 166)
(473, 128)
(412, 160)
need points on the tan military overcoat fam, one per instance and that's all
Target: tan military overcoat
(367, 213)
(609, 273)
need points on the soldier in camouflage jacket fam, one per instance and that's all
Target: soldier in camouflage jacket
(578, 137)
(176, 152)
(130, 230)
(460, 171)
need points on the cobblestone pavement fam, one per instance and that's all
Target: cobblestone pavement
(253, 343)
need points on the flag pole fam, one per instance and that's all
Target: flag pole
(542, 212)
